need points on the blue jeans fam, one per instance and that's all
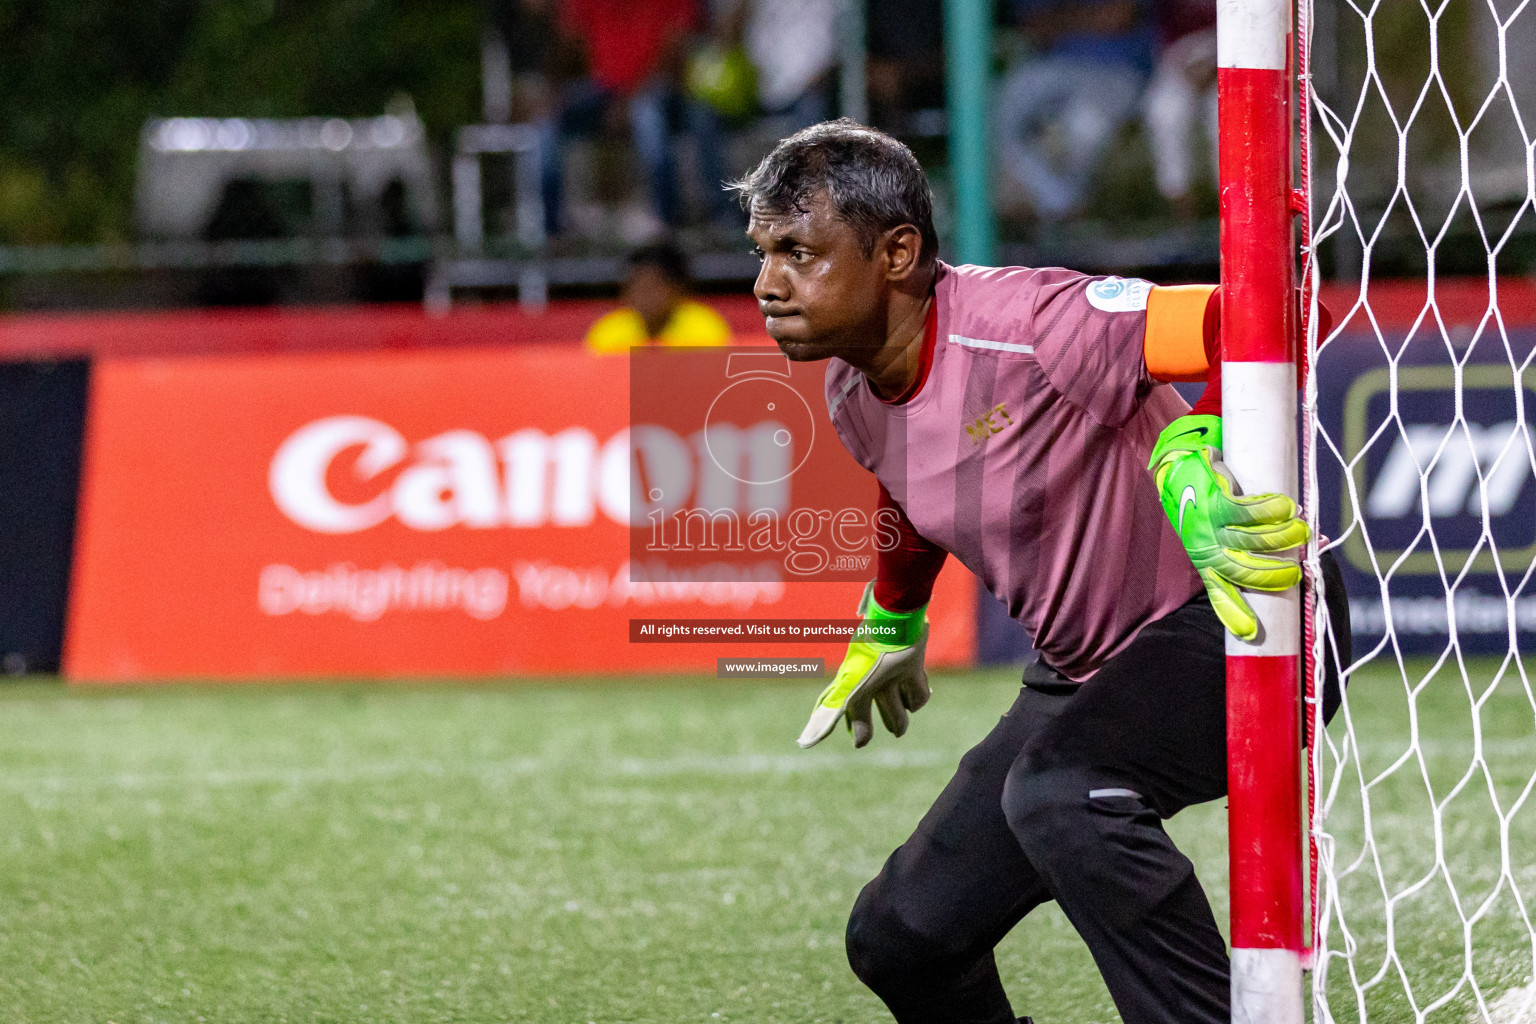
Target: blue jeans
(651, 113)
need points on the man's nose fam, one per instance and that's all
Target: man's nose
(771, 285)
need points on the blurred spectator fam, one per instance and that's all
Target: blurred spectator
(721, 76)
(771, 57)
(657, 308)
(1181, 95)
(634, 55)
(1058, 112)
(793, 45)
(543, 58)
(906, 58)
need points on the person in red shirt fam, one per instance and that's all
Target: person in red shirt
(634, 55)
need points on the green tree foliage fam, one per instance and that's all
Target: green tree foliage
(79, 77)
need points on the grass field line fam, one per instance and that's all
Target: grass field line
(487, 771)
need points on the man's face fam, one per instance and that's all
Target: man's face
(652, 294)
(819, 292)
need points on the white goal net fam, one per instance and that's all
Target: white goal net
(1419, 474)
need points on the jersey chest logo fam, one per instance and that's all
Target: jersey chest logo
(988, 423)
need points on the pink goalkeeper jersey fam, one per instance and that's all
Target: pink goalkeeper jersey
(1024, 454)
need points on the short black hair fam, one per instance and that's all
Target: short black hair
(873, 182)
(665, 256)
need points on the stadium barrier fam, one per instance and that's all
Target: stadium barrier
(276, 329)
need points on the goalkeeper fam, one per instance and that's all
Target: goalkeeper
(1015, 418)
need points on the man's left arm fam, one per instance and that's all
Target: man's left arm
(884, 669)
(1230, 537)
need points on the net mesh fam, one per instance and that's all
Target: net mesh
(1419, 477)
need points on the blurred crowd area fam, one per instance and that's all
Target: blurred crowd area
(700, 90)
(255, 151)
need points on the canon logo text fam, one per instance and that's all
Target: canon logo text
(526, 479)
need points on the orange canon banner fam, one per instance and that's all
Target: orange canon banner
(439, 513)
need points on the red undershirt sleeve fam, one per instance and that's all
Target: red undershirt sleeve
(905, 574)
(1209, 402)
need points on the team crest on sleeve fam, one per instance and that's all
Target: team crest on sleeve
(1119, 294)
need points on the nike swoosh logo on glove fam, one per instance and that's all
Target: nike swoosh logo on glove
(1187, 498)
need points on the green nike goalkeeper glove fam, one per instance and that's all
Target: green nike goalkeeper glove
(1221, 529)
(887, 675)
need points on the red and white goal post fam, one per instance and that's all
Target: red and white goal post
(1416, 850)
(1258, 315)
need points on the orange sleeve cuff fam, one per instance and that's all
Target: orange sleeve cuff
(1180, 319)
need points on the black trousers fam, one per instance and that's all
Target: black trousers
(1064, 800)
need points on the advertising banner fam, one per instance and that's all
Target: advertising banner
(42, 419)
(440, 513)
(1432, 494)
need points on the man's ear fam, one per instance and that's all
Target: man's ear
(902, 249)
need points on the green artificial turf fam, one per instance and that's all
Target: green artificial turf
(635, 851)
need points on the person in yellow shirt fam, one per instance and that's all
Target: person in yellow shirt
(657, 309)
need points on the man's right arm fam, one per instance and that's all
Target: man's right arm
(905, 573)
